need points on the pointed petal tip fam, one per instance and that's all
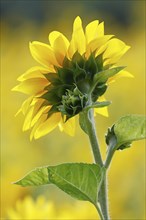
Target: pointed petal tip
(78, 18)
(15, 89)
(30, 43)
(128, 47)
(77, 21)
(37, 136)
(33, 43)
(30, 46)
(129, 75)
(18, 112)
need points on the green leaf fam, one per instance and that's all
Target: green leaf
(103, 76)
(98, 105)
(82, 122)
(79, 180)
(130, 128)
(37, 177)
(127, 129)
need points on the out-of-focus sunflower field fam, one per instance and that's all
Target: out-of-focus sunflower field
(24, 21)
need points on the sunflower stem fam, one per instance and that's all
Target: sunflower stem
(90, 125)
(99, 212)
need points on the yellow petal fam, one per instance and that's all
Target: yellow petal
(59, 44)
(100, 30)
(17, 113)
(102, 111)
(78, 42)
(25, 105)
(39, 94)
(37, 105)
(91, 31)
(100, 50)
(68, 127)
(43, 53)
(54, 35)
(38, 114)
(96, 44)
(27, 121)
(48, 125)
(60, 49)
(31, 113)
(31, 86)
(42, 119)
(121, 74)
(35, 72)
(115, 50)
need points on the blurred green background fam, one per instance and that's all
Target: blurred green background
(24, 21)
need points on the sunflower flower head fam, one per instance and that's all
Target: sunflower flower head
(73, 76)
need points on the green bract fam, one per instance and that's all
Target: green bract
(71, 85)
(73, 102)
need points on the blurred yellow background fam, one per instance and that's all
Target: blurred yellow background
(24, 21)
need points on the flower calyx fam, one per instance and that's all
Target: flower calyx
(72, 84)
(73, 102)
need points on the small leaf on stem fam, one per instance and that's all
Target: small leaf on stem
(103, 76)
(127, 129)
(98, 105)
(82, 122)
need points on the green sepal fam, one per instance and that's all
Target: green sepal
(53, 78)
(51, 96)
(103, 76)
(79, 180)
(78, 59)
(84, 86)
(79, 73)
(98, 105)
(99, 90)
(66, 75)
(67, 63)
(127, 129)
(53, 110)
(99, 61)
(91, 66)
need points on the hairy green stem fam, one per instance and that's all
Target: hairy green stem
(93, 137)
(99, 212)
(103, 199)
(111, 151)
(90, 125)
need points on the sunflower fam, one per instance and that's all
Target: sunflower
(28, 208)
(41, 208)
(59, 89)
